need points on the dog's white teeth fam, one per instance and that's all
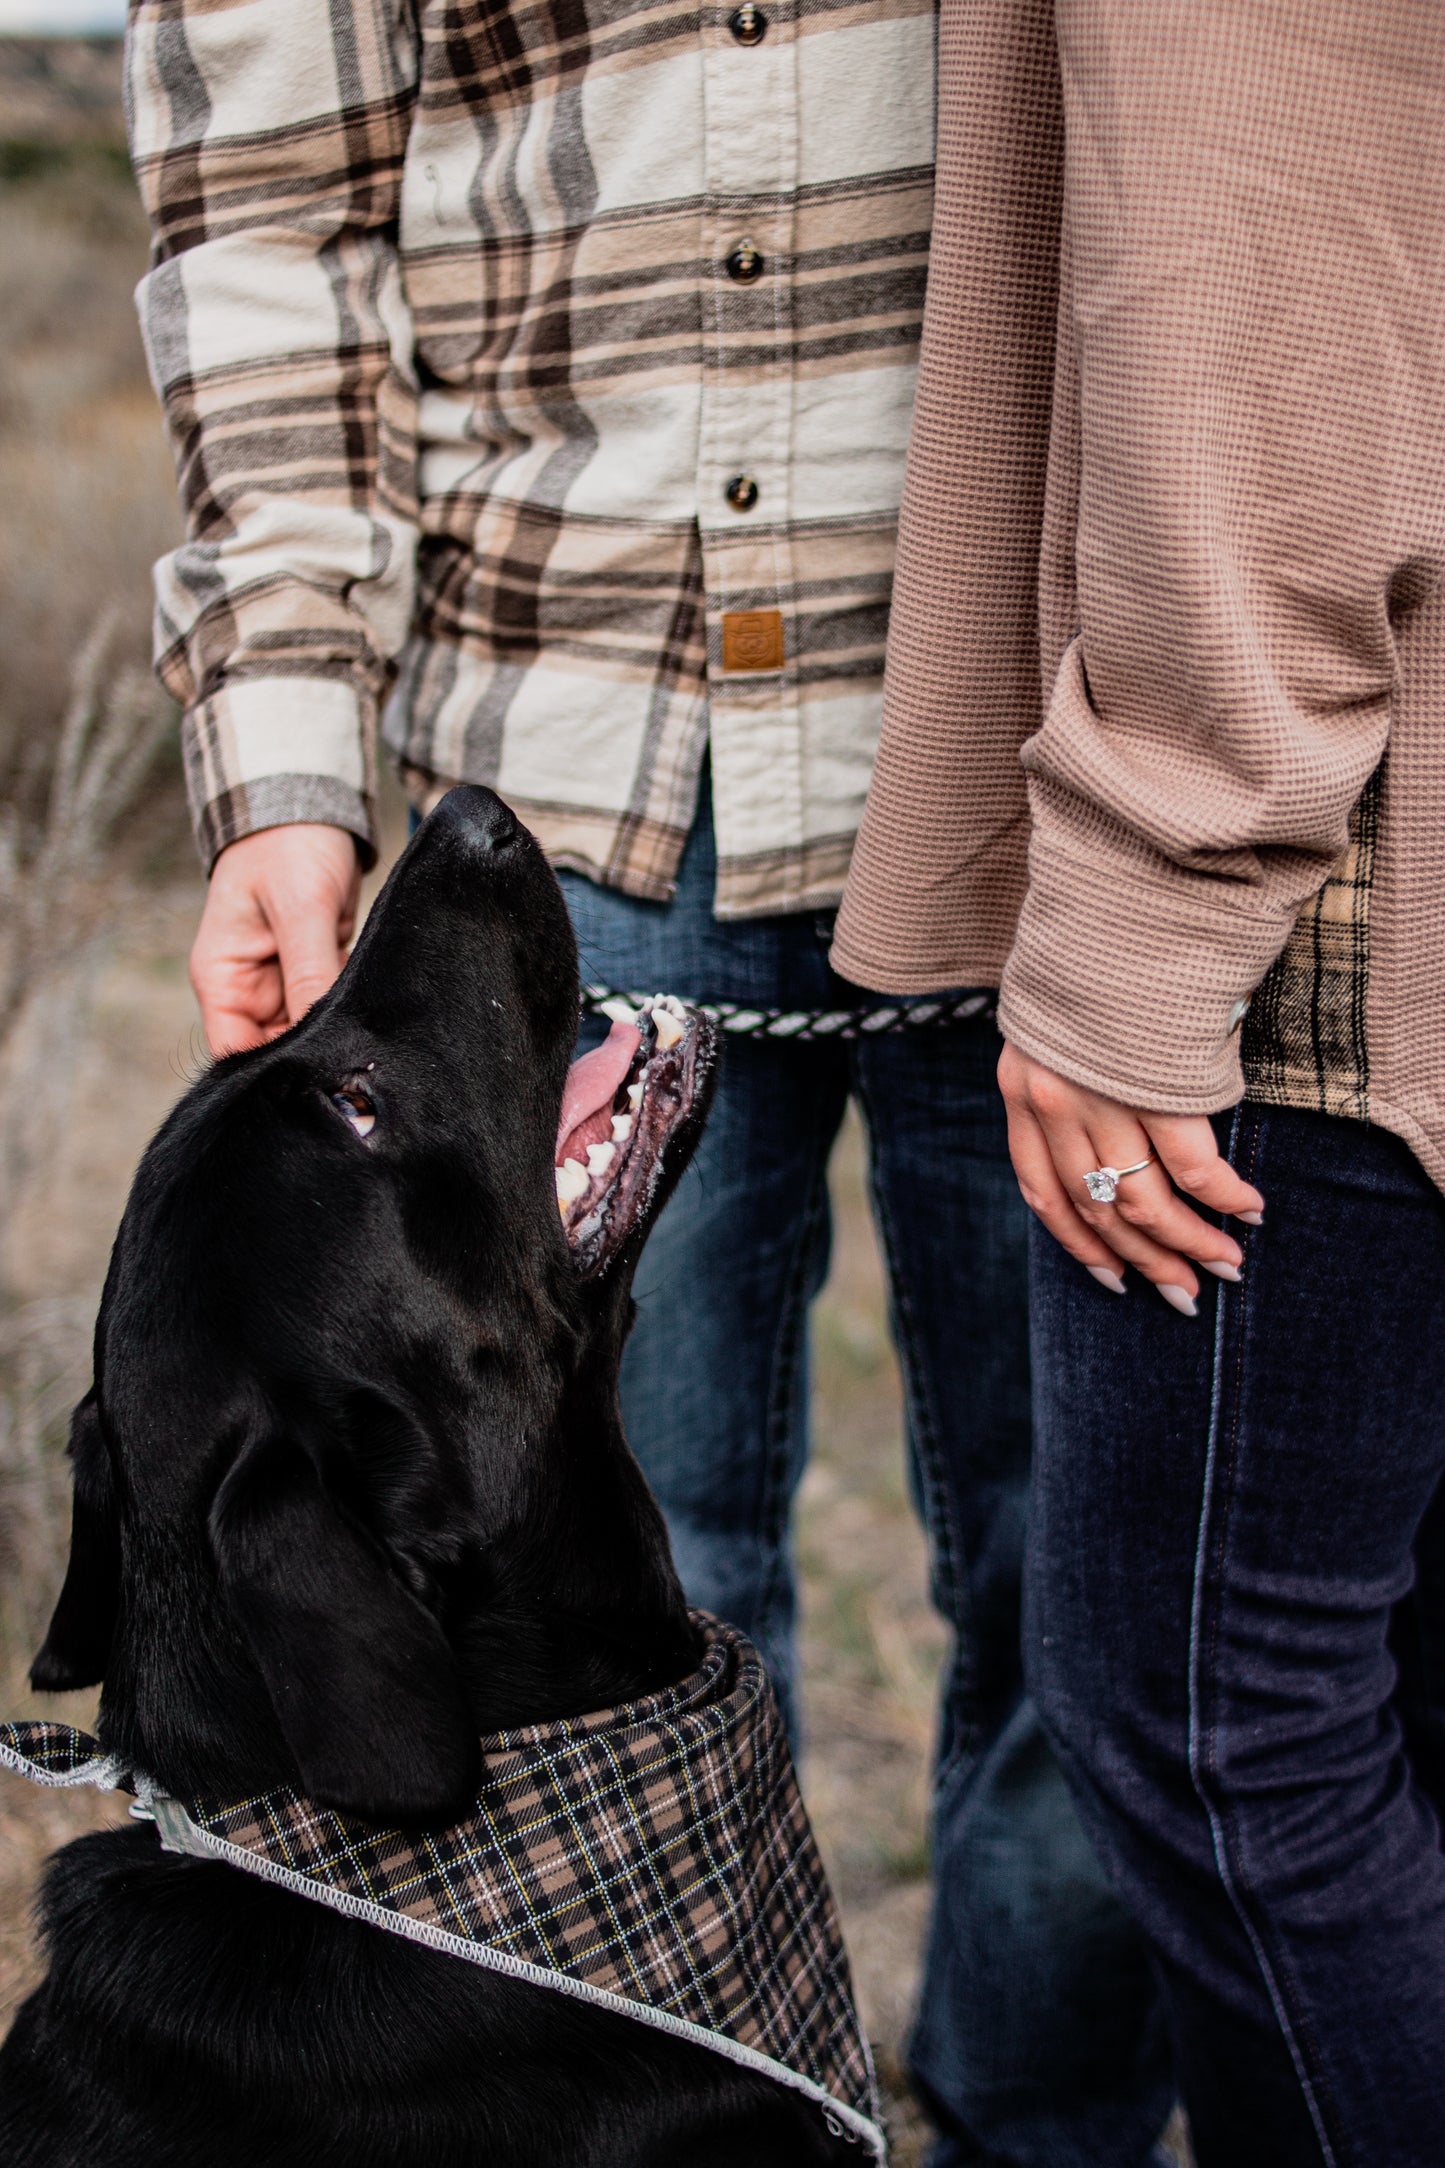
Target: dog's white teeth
(600, 1157)
(621, 1128)
(669, 1030)
(634, 1096)
(572, 1179)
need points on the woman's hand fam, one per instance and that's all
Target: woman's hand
(1059, 1131)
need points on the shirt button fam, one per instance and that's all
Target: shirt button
(745, 265)
(742, 493)
(748, 24)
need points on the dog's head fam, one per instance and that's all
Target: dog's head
(355, 1370)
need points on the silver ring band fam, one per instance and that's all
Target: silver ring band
(1102, 1183)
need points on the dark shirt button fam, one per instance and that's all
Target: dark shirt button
(742, 493)
(748, 24)
(745, 264)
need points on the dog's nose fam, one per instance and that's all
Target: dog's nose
(484, 822)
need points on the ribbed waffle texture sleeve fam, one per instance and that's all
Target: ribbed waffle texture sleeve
(1237, 561)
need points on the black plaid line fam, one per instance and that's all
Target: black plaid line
(793, 1931)
(57, 1749)
(1304, 1041)
(671, 1864)
(715, 1863)
(609, 1900)
(556, 1908)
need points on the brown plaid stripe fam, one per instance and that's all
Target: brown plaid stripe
(1304, 1042)
(658, 1853)
(457, 375)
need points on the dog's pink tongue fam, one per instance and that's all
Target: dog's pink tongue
(594, 1082)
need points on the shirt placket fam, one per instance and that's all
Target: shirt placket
(751, 147)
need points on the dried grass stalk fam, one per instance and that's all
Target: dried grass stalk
(44, 1359)
(50, 869)
(56, 905)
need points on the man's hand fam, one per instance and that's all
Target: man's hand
(1058, 1131)
(279, 913)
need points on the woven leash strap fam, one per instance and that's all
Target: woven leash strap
(804, 1024)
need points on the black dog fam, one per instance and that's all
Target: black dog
(351, 1487)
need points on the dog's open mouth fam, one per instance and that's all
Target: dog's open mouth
(623, 1105)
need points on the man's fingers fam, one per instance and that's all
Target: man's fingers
(240, 1002)
(232, 1031)
(311, 906)
(279, 908)
(310, 952)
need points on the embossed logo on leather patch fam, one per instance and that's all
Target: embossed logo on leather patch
(752, 639)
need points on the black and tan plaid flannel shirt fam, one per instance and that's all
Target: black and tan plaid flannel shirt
(560, 358)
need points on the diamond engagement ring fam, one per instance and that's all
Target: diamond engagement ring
(1102, 1183)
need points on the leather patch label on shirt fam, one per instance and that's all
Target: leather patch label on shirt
(752, 639)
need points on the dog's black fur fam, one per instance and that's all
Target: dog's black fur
(350, 1488)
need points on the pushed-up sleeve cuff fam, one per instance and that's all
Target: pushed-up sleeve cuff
(262, 752)
(1135, 988)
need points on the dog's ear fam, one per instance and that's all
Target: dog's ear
(364, 1683)
(77, 1647)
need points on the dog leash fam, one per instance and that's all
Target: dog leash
(803, 1025)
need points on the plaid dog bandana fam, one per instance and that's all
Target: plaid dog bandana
(655, 1858)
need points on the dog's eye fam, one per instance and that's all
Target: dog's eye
(357, 1108)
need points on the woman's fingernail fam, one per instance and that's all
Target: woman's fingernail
(1221, 1270)
(1180, 1299)
(1251, 1219)
(1114, 1281)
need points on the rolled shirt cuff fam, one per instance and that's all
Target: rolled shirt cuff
(1132, 988)
(264, 751)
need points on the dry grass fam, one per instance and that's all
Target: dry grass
(872, 1645)
(86, 492)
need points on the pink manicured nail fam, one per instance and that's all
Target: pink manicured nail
(1251, 1219)
(1180, 1299)
(1221, 1270)
(1114, 1281)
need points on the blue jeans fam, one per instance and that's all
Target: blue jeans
(1039, 2042)
(1237, 1636)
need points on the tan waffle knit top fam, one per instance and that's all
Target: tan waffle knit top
(1166, 670)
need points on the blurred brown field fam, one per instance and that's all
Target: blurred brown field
(103, 1039)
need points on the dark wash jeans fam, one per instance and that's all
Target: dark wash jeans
(1039, 2042)
(1236, 1630)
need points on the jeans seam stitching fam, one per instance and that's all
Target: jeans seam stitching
(1219, 1838)
(938, 1525)
(787, 1342)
